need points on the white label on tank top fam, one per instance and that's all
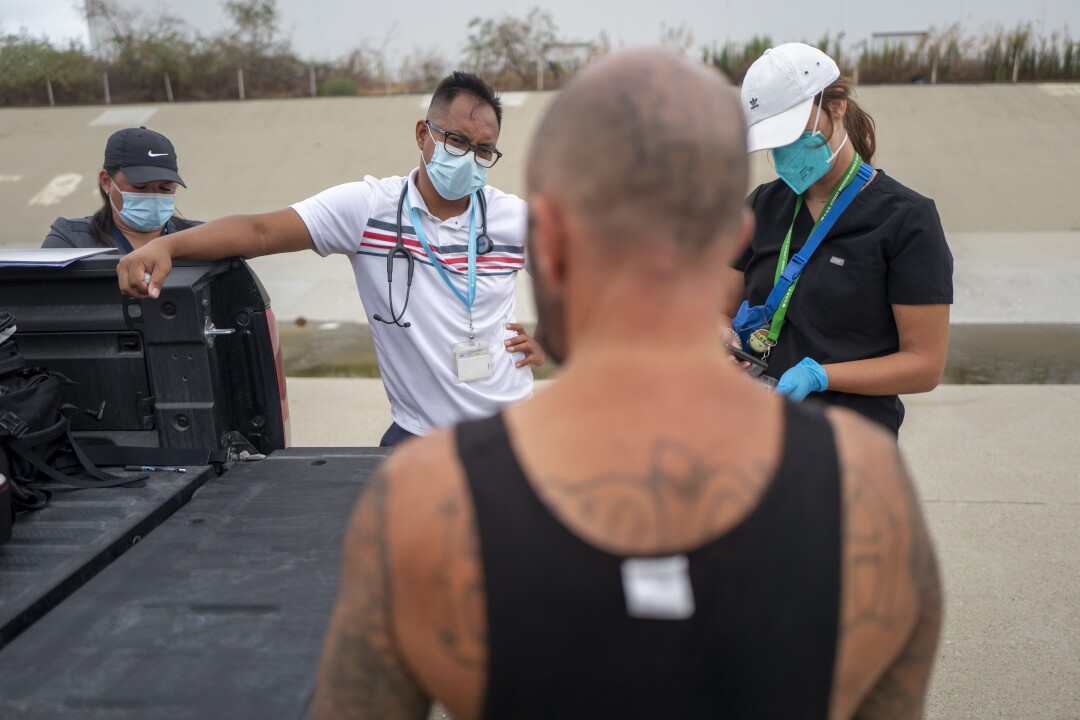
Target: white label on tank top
(658, 588)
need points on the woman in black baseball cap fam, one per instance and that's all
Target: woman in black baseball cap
(138, 190)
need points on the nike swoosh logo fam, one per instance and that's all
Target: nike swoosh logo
(154, 154)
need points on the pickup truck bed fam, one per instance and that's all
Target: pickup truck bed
(202, 594)
(217, 612)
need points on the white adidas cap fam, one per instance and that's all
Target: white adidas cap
(779, 90)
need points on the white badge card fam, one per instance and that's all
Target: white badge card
(472, 361)
(658, 588)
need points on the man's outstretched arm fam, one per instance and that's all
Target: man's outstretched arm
(362, 674)
(245, 236)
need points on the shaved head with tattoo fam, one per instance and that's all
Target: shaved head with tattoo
(653, 534)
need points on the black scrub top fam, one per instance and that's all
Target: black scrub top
(79, 233)
(887, 248)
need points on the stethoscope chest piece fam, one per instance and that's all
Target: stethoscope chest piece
(484, 245)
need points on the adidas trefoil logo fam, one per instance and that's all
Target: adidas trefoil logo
(753, 104)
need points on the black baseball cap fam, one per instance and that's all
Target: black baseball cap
(144, 156)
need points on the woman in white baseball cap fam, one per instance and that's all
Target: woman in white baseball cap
(867, 318)
(137, 183)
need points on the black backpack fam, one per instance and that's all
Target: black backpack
(36, 444)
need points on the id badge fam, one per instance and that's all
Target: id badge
(472, 360)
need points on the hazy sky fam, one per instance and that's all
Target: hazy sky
(328, 29)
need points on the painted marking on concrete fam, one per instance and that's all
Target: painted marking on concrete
(58, 188)
(1061, 89)
(124, 117)
(514, 99)
(510, 99)
(10, 178)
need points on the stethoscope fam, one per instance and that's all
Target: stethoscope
(484, 245)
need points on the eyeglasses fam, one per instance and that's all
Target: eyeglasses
(458, 145)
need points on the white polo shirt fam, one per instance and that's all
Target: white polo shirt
(359, 219)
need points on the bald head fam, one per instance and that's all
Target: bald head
(645, 145)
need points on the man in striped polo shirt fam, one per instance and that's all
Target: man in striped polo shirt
(435, 254)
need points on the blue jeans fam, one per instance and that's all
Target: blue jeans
(393, 435)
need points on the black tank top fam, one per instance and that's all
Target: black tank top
(761, 641)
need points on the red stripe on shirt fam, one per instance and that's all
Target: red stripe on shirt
(482, 261)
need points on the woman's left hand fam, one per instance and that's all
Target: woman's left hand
(803, 379)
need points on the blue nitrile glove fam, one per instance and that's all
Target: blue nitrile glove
(803, 379)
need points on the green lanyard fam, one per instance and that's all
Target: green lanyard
(785, 249)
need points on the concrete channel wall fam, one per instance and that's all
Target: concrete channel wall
(996, 158)
(999, 160)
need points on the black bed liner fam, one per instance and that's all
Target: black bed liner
(53, 551)
(217, 613)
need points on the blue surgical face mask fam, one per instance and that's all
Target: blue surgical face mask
(146, 211)
(454, 176)
(805, 161)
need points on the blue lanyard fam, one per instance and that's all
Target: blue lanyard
(468, 301)
(123, 241)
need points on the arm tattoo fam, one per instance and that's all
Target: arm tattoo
(901, 692)
(458, 584)
(872, 544)
(362, 674)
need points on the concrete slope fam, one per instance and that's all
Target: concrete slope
(236, 157)
(998, 159)
(994, 157)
